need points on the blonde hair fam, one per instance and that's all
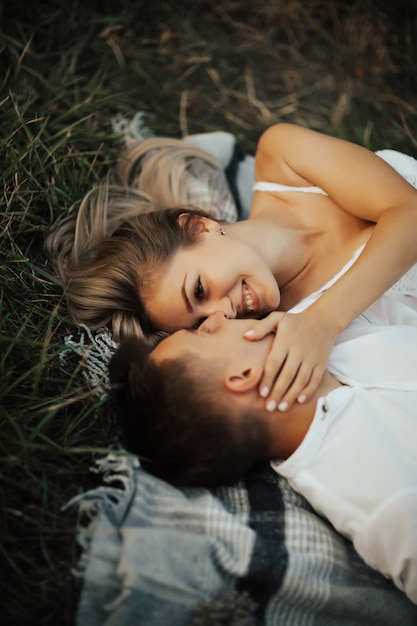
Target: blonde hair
(109, 252)
(174, 172)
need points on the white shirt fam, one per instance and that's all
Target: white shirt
(357, 465)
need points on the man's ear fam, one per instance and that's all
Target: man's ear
(242, 379)
(202, 224)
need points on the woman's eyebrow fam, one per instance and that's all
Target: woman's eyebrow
(185, 297)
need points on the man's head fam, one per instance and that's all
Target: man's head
(190, 408)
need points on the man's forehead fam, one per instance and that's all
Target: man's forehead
(171, 346)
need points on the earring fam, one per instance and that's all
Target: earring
(222, 231)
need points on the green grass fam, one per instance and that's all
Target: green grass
(346, 68)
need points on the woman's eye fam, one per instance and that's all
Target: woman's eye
(199, 291)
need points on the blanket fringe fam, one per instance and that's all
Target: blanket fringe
(96, 350)
(132, 129)
(116, 471)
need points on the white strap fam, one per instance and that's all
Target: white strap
(268, 186)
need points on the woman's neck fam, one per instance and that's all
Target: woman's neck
(284, 248)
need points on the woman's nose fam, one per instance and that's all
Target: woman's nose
(213, 322)
(224, 305)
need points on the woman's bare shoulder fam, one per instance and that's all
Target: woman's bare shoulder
(271, 162)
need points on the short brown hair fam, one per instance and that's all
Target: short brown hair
(176, 421)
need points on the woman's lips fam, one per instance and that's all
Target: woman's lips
(250, 300)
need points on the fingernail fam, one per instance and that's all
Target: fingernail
(301, 399)
(264, 392)
(271, 406)
(283, 406)
(249, 333)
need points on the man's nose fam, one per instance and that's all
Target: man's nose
(213, 322)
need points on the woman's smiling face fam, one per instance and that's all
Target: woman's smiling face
(219, 273)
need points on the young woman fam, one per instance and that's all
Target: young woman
(326, 215)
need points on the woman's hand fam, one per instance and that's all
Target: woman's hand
(298, 357)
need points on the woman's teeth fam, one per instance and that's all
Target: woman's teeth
(248, 299)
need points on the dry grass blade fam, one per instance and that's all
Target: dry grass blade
(346, 68)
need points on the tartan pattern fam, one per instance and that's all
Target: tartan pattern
(157, 555)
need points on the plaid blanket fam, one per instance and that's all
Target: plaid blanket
(251, 553)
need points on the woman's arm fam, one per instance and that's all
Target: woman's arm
(354, 177)
(365, 186)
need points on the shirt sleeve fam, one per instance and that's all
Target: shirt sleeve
(390, 541)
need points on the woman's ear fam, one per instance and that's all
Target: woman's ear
(202, 224)
(243, 379)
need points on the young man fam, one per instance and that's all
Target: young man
(192, 411)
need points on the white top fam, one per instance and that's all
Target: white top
(277, 187)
